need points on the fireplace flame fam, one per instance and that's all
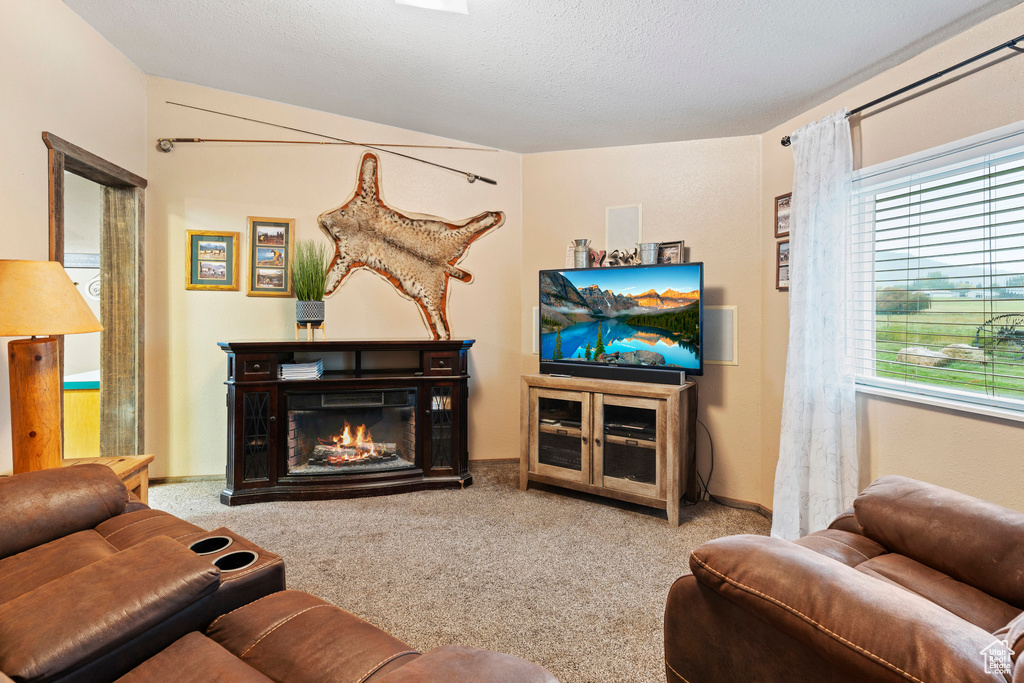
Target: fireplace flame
(359, 446)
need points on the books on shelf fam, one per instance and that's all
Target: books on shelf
(311, 370)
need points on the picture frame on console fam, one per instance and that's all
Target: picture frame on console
(670, 252)
(271, 244)
(211, 260)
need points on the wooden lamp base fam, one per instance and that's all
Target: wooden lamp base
(35, 403)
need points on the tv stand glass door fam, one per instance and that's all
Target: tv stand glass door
(629, 444)
(561, 434)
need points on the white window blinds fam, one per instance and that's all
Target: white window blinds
(939, 272)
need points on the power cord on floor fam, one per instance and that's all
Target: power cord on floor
(707, 492)
(703, 490)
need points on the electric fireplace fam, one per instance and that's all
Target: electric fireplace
(385, 417)
(351, 432)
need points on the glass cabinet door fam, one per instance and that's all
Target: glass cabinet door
(560, 434)
(629, 444)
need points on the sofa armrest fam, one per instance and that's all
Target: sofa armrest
(847, 521)
(855, 621)
(39, 507)
(461, 664)
(134, 504)
(974, 541)
(80, 616)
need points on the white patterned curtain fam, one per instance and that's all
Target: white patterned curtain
(816, 477)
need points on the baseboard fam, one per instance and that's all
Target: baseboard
(744, 505)
(153, 481)
(214, 477)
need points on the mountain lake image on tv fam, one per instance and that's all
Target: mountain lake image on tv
(630, 317)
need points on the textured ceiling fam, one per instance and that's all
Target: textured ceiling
(537, 75)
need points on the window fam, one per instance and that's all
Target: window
(938, 256)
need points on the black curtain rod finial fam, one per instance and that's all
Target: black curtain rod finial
(1010, 44)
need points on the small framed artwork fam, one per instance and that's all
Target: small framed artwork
(670, 252)
(782, 266)
(211, 260)
(270, 256)
(782, 204)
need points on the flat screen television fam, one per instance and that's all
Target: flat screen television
(635, 323)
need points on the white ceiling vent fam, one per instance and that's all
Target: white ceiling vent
(460, 6)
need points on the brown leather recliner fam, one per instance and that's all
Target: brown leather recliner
(92, 584)
(295, 637)
(916, 583)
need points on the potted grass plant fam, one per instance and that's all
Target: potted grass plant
(309, 279)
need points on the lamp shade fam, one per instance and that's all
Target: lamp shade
(38, 298)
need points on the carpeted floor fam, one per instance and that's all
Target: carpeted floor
(575, 583)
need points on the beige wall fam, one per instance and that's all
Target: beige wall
(56, 74)
(715, 194)
(216, 186)
(703, 192)
(977, 455)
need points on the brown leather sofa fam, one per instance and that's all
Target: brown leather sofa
(295, 637)
(916, 583)
(93, 583)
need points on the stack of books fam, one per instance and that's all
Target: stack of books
(302, 370)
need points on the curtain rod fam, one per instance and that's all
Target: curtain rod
(1010, 44)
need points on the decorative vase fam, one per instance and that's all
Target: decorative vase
(582, 253)
(311, 312)
(648, 252)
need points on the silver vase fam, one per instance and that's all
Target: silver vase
(582, 253)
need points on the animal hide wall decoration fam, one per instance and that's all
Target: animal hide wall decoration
(416, 253)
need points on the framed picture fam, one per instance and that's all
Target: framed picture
(270, 256)
(670, 252)
(782, 266)
(782, 203)
(211, 260)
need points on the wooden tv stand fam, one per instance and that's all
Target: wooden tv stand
(630, 441)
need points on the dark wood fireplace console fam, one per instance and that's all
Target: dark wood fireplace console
(423, 384)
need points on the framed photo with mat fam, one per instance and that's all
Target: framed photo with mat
(782, 266)
(270, 256)
(782, 208)
(211, 260)
(670, 252)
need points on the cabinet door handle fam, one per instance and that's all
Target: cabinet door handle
(597, 442)
(273, 418)
(256, 367)
(584, 439)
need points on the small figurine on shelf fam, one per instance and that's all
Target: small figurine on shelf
(597, 258)
(624, 258)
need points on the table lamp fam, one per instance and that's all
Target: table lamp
(38, 298)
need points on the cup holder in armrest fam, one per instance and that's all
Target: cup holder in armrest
(240, 559)
(210, 545)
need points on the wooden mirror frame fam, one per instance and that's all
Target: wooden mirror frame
(121, 288)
